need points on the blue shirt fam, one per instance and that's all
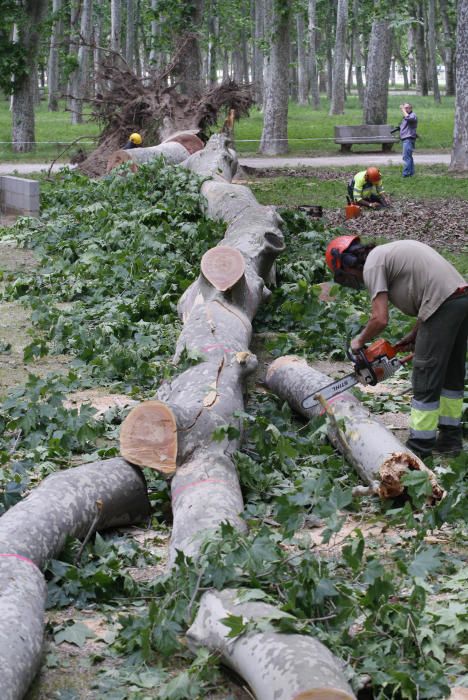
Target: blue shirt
(408, 126)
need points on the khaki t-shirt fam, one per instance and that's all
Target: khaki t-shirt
(418, 280)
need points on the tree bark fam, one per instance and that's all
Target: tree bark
(116, 25)
(130, 35)
(313, 72)
(217, 310)
(274, 140)
(378, 67)
(339, 59)
(23, 123)
(302, 86)
(378, 457)
(459, 161)
(448, 52)
(80, 77)
(420, 46)
(431, 42)
(257, 62)
(71, 503)
(189, 70)
(172, 152)
(53, 64)
(275, 665)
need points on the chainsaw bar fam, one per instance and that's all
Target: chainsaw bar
(331, 390)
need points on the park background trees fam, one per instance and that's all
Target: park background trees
(287, 51)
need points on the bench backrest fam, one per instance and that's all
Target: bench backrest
(362, 130)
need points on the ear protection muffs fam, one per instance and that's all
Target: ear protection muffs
(346, 280)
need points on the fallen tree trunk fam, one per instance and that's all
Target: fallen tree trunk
(217, 310)
(173, 153)
(275, 665)
(376, 454)
(75, 503)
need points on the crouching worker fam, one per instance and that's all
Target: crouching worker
(366, 189)
(134, 141)
(421, 283)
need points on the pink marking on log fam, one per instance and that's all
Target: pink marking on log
(21, 558)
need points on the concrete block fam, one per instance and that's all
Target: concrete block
(19, 195)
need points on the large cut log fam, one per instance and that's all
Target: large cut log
(75, 503)
(276, 666)
(217, 310)
(22, 605)
(172, 152)
(376, 454)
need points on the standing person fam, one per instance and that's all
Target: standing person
(421, 283)
(366, 189)
(408, 138)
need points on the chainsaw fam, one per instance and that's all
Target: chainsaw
(372, 364)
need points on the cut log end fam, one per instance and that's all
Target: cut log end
(148, 437)
(395, 467)
(323, 694)
(119, 157)
(223, 267)
(190, 141)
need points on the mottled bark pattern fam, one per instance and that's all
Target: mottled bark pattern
(376, 454)
(378, 70)
(94, 496)
(279, 666)
(459, 162)
(339, 58)
(172, 153)
(274, 140)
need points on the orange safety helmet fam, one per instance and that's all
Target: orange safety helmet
(373, 175)
(336, 248)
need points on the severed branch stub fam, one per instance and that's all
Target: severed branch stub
(375, 453)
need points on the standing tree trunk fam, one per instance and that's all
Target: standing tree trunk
(401, 61)
(153, 56)
(23, 124)
(274, 139)
(448, 52)
(431, 41)
(53, 64)
(420, 45)
(301, 60)
(378, 68)
(358, 52)
(189, 70)
(339, 59)
(97, 51)
(411, 55)
(313, 72)
(116, 25)
(130, 35)
(213, 46)
(80, 78)
(257, 61)
(459, 162)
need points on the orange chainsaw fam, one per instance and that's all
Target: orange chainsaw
(372, 364)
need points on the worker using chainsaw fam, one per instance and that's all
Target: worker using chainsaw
(421, 283)
(366, 189)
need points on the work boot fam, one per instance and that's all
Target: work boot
(421, 448)
(449, 440)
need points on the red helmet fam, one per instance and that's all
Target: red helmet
(336, 248)
(373, 175)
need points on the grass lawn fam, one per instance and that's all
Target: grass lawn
(435, 125)
(435, 128)
(430, 182)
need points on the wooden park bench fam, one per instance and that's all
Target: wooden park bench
(346, 136)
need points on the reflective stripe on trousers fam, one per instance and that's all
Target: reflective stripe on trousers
(424, 419)
(451, 407)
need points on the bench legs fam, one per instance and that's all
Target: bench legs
(346, 147)
(387, 147)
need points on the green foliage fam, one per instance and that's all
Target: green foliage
(119, 252)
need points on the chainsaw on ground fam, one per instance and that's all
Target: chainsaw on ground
(372, 364)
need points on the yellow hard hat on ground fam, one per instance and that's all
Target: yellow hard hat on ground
(135, 138)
